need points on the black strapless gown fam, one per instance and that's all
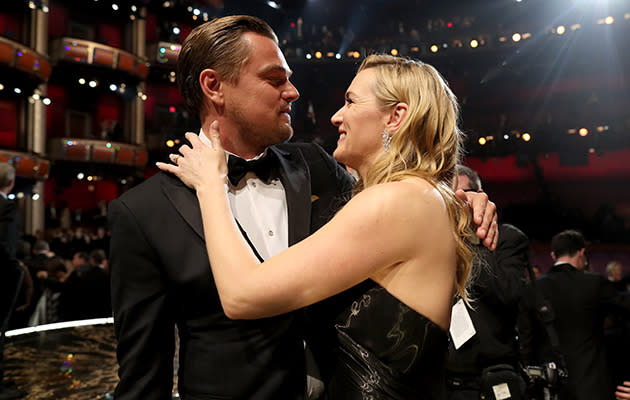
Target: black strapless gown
(377, 348)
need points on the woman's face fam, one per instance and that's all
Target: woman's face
(361, 122)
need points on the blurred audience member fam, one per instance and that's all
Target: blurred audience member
(614, 271)
(572, 308)
(86, 292)
(23, 308)
(51, 281)
(11, 274)
(36, 264)
(617, 329)
(490, 356)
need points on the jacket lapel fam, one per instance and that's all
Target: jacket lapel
(296, 181)
(184, 201)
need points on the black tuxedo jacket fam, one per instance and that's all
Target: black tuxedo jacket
(161, 278)
(579, 300)
(496, 292)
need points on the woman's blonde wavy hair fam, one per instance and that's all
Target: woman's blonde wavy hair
(427, 143)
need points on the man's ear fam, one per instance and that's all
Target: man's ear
(396, 117)
(553, 256)
(211, 86)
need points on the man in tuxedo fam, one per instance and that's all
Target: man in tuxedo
(229, 70)
(496, 291)
(575, 304)
(11, 273)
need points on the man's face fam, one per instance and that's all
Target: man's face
(77, 261)
(258, 105)
(463, 182)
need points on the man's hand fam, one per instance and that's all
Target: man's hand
(623, 391)
(484, 215)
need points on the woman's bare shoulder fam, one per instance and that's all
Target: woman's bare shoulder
(400, 195)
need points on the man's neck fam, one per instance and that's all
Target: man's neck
(231, 140)
(567, 260)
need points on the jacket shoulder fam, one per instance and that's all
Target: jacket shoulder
(144, 191)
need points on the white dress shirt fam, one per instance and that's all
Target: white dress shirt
(261, 210)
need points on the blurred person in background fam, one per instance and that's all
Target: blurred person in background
(11, 273)
(489, 356)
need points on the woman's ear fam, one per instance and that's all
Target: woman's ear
(211, 86)
(396, 117)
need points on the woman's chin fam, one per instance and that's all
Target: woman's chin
(338, 155)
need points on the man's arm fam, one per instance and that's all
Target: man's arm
(143, 322)
(503, 285)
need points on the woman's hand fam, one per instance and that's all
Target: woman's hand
(199, 166)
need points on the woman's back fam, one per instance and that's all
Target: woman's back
(418, 223)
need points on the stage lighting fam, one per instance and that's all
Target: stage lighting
(609, 20)
(318, 54)
(474, 43)
(583, 132)
(516, 37)
(560, 30)
(170, 143)
(434, 48)
(526, 137)
(394, 52)
(482, 141)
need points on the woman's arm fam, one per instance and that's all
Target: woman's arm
(376, 229)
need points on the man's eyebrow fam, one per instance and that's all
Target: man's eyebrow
(276, 68)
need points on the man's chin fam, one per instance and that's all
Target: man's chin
(287, 133)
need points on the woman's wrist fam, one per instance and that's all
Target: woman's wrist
(213, 188)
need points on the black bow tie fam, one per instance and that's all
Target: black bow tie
(237, 167)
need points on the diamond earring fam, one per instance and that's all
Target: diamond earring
(387, 140)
